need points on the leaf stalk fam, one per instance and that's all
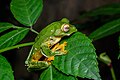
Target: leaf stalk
(16, 46)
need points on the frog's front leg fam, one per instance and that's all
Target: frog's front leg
(59, 49)
(45, 50)
(48, 44)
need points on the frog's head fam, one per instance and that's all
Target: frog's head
(64, 28)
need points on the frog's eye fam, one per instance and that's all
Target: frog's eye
(65, 27)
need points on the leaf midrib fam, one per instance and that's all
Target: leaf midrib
(27, 11)
(12, 37)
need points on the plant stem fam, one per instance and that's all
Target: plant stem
(16, 46)
(105, 59)
(112, 72)
(34, 30)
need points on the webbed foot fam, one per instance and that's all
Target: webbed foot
(60, 48)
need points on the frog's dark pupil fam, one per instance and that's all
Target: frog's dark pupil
(51, 39)
(66, 27)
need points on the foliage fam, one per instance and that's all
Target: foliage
(6, 72)
(51, 73)
(12, 37)
(104, 10)
(26, 12)
(106, 30)
(81, 59)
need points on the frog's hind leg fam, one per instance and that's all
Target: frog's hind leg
(37, 62)
(37, 56)
(37, 65)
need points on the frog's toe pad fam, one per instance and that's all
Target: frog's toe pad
(50, 59)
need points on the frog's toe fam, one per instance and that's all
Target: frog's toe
(50, 59)
(65, 51)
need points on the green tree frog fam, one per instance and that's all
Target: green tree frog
(47, 44)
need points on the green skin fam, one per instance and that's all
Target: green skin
(48, 34)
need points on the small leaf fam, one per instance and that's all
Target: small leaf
(53, 74)
(106, 30)
(13, 37)
(26, 11)
(81, 58)
(104, 10)
(4, 26)
(6, 72)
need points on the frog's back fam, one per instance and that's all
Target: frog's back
(45, 34)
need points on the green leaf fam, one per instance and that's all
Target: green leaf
(106, 30)
(104, 10)
(13, 37)
(53, 74)
(119, 47)
(81, 58)
(5, 26)
(6, 72)
(26, 11)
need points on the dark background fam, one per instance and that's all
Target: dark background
(55, 10)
